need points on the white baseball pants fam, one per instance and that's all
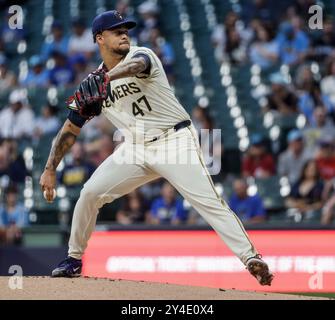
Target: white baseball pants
(176, 157)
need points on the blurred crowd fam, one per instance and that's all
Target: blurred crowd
(299, 66)
(257, 35)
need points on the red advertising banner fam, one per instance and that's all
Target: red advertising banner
(303, 261)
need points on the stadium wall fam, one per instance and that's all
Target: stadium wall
(302, 260)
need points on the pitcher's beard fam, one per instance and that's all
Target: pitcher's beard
(122, 52)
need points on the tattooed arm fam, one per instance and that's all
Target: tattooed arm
(65, 139)
(131, 68)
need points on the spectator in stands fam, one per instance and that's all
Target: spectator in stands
(281, 99)
(2, 47)
(47, 122)
(220, 39)
(295, 8)
(287, 15)
(305, 197)
(55, 41)
(100, 148)
(17, 120)
(81, 67)
(108, 146)
(8, 79)
(13, 217)
(328, 211)
(37, 76)
(81, 40)
(258, 162)
(62, 73)
(4, 158)
(260, 9)
(293, 42)
(122, 7)
(12, 163)
(309, 94)
(168, 209)
(210, 141)
(149, 12)
(152, 190)
(292, 160)
(199, 115)
(301, 8)
(77, 169)
(218, 36)
(134, 209)
(235, 49)
(320, 127)
(264, 51)
(250, 209)
(94, 128)
(163, 50)
(325, 158)
(328, 82)
(323, 45)
(304, 76)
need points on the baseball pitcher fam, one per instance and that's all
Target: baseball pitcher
(131, 89)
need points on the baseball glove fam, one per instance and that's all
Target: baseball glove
(91, 93)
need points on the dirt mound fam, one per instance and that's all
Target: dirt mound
(85, 288)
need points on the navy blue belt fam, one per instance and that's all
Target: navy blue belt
(182, 125)
(178, 126)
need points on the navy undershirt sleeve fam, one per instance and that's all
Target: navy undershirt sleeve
(76, 118)
(147, 61)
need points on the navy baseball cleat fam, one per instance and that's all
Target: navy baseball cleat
(260, 270)
(68, 268)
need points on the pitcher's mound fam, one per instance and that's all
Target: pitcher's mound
(85, 288)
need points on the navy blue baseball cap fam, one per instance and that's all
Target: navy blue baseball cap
(110, 20)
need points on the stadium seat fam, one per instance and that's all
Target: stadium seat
(269, 190)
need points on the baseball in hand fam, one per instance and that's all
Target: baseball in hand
(53, 196)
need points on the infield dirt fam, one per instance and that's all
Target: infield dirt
(84, 288)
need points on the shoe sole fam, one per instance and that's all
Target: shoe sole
(261, 272)
(62, 274)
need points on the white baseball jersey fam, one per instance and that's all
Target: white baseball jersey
(144, 105)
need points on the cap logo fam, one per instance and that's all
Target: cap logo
(118, 15)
